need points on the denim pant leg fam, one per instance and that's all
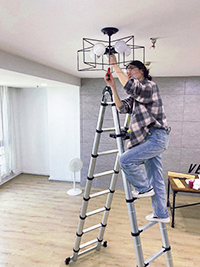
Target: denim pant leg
(154, 173)
(130, 160)
(129, 163)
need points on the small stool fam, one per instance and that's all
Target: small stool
(178, 184)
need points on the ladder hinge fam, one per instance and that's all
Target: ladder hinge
(104, 104)
(136, 234)
(79, 235)
(130, 200)
(112, 191)
(82, 218)
(90, 179)
(167, 249)
(99, 131)
(76, 251)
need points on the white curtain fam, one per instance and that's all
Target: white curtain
(5, 134)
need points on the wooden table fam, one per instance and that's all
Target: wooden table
(178, 184)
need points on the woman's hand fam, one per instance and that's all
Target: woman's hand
(112, 60)
(109, 80)
(123, 78)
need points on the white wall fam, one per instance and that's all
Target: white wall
(21, 65)
(33, 124)
(64, 131)
(49, 123)
(16, 146)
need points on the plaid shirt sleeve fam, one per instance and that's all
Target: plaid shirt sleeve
(142, 92)
(127, 105)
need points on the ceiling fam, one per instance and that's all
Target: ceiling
(50, 32)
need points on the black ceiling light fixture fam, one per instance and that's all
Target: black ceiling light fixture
(95, 53)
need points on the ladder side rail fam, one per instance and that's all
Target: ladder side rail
(97, 139)
(166, 246)
(127, 121)
(90, 177)
(129, 197)
(108, 203)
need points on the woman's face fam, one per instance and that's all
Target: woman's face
(132, 70)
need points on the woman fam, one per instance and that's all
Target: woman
(149, 135)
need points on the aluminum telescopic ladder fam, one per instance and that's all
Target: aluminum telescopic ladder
(120, 135)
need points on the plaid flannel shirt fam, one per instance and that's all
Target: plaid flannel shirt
(145, 105)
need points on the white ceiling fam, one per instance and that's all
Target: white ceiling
(51, 31)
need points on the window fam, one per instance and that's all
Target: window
(5, 152)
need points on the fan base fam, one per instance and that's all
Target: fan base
(74, 192)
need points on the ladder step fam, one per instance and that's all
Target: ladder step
(108, 152)
(88, 243)
(146, 226)
(100, 193)
(91, 228)
(103, 174)
(154, 256)
(95, 211)
(109, 103)
(108, 129)
(87, 250)
(112, 129)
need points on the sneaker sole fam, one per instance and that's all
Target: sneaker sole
(164, 220)
(145, 194)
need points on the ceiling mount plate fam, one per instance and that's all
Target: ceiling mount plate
(109, 30)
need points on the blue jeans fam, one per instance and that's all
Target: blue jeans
(149, 154)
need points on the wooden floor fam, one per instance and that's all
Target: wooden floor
(39, 220)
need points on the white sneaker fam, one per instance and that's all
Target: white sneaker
(148, 193)
(153, 218)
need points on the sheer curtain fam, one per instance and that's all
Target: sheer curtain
(5, 134)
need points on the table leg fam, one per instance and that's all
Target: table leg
(173, 208)
(168, 189)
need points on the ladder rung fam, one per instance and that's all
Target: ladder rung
(108, 129)
(109, 103)
(147, 226)
(108, 152)
(87, 250)
(111, 129)
(154, 256)
(100, 193)
(88, 243)
(92, 228)
(103, 174)
(95, 211)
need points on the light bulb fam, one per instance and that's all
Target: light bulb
(92, 54)
(120, 47)
(99, 49)
(128, 51)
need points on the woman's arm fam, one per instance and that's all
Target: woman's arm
(120, 74)
(111, 82)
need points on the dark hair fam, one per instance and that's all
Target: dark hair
(142, 67)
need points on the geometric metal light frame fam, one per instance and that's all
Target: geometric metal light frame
(102, 63)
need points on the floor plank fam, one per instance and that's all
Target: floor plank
(39, 221)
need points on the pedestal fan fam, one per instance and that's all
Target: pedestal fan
(75, 165)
